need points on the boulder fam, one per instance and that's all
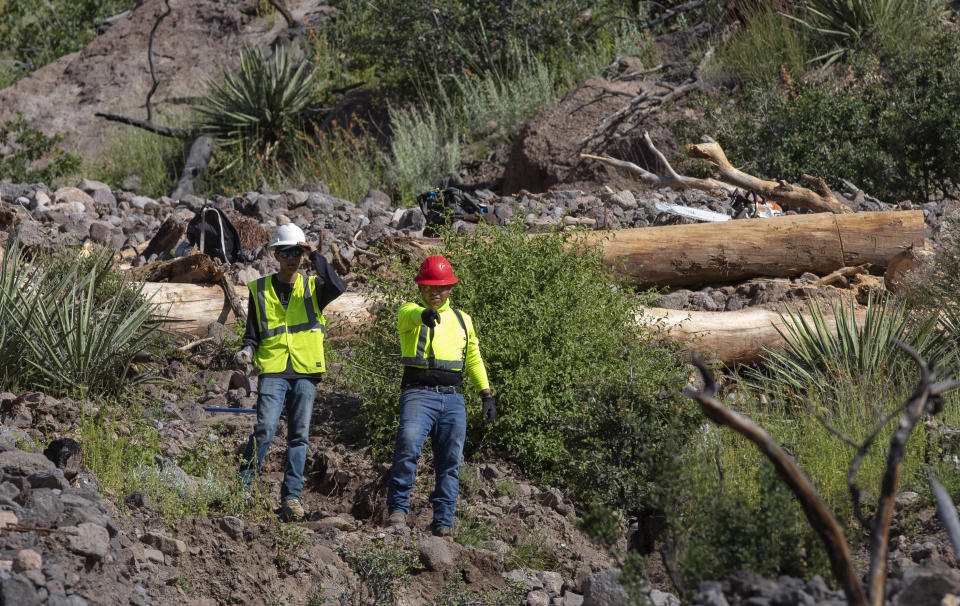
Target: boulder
(604, 589)
(437, 554)
(21, 463)
(89, 540)
(927, 585)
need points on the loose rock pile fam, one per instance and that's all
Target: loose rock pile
(61, 543)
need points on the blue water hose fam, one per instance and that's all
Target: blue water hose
(222, 409)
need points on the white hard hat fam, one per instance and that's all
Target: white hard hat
(287, 235)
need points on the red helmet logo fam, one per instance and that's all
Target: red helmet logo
(435, 271)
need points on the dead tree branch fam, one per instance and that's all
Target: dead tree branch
(843, 272)
(926, 398)
(153, 71)
(728, 179)
(820, 198)
(817, 512)
(669, 179)
(644, 104)
(280, 6)
(166, 131)
(947, 512)
(927, 392)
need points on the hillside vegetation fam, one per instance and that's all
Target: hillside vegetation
(591, 401)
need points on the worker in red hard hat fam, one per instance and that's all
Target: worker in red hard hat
(438, 345)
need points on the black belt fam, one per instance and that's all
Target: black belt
(437, 388)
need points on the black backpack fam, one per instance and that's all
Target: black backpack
(450, 204)
(213, 234)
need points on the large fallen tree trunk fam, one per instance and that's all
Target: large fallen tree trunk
(724, 336)
(678, 255)
(189, 308)
(731, 337)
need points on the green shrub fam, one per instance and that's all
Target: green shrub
(628, 446)
(471, 529)
(495, 103)
(553, 326)
(36, 33)
(350, 163)
(113, 448)
(891, 131)
(455, 593)
(421, 151)
(72, 331)
(766, 48)
(530, 551)
(382, 571)
(400, 42)
(27, 148)
(725, 528)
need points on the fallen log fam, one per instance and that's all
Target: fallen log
(188, 308)
(724, 336)
(728, 178)
(196, 268)
(731, 337)
(782, 247)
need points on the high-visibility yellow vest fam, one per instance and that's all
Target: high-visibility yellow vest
(295, 333)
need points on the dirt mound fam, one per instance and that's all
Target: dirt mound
(112, 74)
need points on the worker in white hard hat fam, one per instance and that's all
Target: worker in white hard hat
(284, 337)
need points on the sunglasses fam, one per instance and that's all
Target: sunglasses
(290, 252)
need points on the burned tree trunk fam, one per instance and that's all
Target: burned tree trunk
(200, 152)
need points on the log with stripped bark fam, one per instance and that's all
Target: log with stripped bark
(730, 336)
(782, 247)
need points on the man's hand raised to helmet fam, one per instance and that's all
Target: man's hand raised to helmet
(430, 317)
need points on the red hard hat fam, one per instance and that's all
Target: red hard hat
(435, 271)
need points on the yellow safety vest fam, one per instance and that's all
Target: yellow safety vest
(443, 346)
(294, 333)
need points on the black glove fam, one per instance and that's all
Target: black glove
(430, 317)
(488, 407)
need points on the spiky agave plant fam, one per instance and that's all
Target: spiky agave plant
(58, 334)
(262, 106)
(824, 360)
(846, 24)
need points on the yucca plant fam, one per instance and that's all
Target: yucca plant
(822, 363)
(847, 24)
(59, 334)
(263, 105)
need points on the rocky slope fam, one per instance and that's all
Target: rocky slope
(112, 74)
(64, 543)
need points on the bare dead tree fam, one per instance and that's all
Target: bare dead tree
(148, 124)
(644, 104)
(947, 512)
(153, 71)
(280, 6)
(728, 178)
(926, 398)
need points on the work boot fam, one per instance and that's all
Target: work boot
(397, 519)
(443, 532)
(292, 509)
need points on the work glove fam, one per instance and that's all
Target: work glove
(430, 317)
(488, 408)
(243, 358)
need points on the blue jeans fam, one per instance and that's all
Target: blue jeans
(444, 418)
(273, 392)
